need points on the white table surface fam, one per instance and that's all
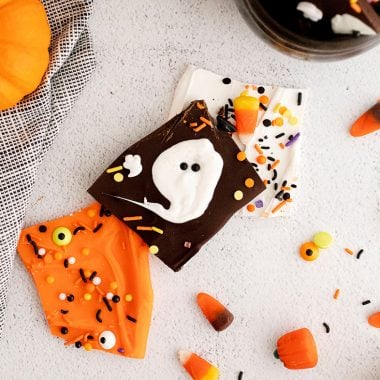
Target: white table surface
(142, 49)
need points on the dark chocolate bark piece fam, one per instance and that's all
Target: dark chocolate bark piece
(179, 185)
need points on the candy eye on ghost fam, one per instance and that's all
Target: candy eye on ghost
(183, 166)
(62, 236)
(194, 167)
(107, 340)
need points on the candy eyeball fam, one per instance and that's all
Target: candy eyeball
(107, 340)
(62, 236)
(309, 251)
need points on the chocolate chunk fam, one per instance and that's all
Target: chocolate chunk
(166, 203)
(223, 320)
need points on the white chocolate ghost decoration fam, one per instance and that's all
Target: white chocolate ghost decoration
(133, 164)
(186, 174)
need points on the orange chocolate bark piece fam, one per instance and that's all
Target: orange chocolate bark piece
(92, 275)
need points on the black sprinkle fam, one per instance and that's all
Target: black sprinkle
(226, 80)
(268, 166)
(267, 123)
(275, 186)
(261, 140)
(105, 300)
(134, 320)
(28, 238)
(35, 248)
(240, 376)
(107, 213)
(63, 311)
(286, 196)
(90, 337)
(80, 228)
(299, 99)
(42, 228)
(81, 272)
(261, 90)
(279, 135)
(233, 116)
(366, 302)
(78, 344)
(115, 299)
(254, 164)
(93, 274)
(224, 125)
(268, 182)
(231, 110)
(271, 158)
(265, 137)
(226, 111)
(274, 176)
(97, 228)
(98, 316)
(327, 327)
(64, 330)
(70, 298)
(265, 147)
(284, 183)
(101, 211)
(293, 186)
(279, 195)
(230, 102)
(263, 107)
(359, 253)
(66, 263)
(290, 137)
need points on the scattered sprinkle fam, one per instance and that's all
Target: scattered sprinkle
(249, 182)
(327, 327)
(275, 164)
(130, 218)
(98, 316)
(336, 294)
(97, 228)
(241, 156)
(299, 99)
(359, 254)
(200, 106)
(226, 80)
(76, 230)
(105, 300)
(238, 195)
(187, 244)
(267, 123)
(293, 139)
(206, 121)
(153, 249)
(128, 297)
(203, 125)
(366, 302)
(158, 230)
(258, 149)
(134, 320)
(279, 135)
(115, 169)
(348, 250)
(118, 177)
(240, 376)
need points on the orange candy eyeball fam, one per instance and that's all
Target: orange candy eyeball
(309, 251)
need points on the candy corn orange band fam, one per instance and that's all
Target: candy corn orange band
(197, 367)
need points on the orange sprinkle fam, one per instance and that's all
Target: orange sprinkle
(241, 156)
(264, 99)
(200, 106)
(203, 125)
(285, 188)
(261, 159)
(246, 86)
(144, 228)
(208, 122)
(129, 218)
(279, 121)
(281, 145)
(265, 182)
(356, 7)
(258, 149)
(193, 124)
(275, 164)
(279, 206)
(251, 207)
(249, 182)
(336, 294)
(348, 250)
(282, 110)
(253, 87)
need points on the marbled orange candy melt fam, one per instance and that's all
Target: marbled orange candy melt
(95, 283)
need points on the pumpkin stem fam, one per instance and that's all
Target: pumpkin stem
(275, 354)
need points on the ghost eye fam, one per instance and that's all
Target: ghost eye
(183, 165)
(195, 167)
(107, 340)
(62, 236)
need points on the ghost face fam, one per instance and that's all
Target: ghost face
(187, 174)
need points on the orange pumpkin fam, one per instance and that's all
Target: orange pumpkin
(297, 349)
(24, 43)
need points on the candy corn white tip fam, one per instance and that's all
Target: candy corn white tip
(184, 356)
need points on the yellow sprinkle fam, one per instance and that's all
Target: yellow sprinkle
(158, 230)
(287, 114)
(115, 169)
(85, 251)
(131, 218)
(87, 296)
(58, 256)
(113, 285)
(153, 249)
(118, 177)
(277, 107)
(87, 346)
(50, 280)
(128, 297)
(91, 213)
(238, 195)
(293, 120)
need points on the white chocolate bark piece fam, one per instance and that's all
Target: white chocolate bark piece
(270, 149)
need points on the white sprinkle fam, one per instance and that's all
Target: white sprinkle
(72, 260)
(42, 251)
(310, 11)
(109, 295)
(62, 296)
(96, 281)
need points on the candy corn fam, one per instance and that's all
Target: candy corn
(217, 314)
(196, 367)
(246, 111)
(368, 122)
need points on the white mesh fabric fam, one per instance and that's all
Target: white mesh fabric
(28, 129)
